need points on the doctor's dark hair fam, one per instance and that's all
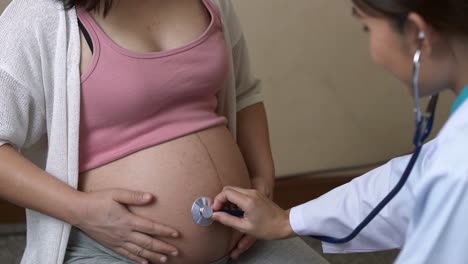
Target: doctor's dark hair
(90, 5)
(446, 16)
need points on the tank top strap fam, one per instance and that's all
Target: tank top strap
(215, 12)
(90, 25)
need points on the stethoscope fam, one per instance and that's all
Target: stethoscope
(202, 211)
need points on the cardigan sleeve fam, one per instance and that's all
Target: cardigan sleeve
(248, 87)
(22, 103)
(22, 119)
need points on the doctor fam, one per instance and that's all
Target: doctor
(428, 218)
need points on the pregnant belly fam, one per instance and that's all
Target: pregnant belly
(177, 173)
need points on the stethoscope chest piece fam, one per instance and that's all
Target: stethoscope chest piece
(202, 211)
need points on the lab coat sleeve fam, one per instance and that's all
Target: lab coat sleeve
(338, 212)
(438, 230)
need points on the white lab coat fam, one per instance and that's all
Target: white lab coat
(428, 219)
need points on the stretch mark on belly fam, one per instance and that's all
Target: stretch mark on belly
(229, 246)
(220, 181)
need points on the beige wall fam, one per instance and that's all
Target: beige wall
(3, 4)
(328, 106)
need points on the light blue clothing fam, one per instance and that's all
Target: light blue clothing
(462, 97)
(428, 219)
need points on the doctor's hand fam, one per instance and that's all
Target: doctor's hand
(104, 216)
(262, 219)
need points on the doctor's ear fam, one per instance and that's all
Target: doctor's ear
(420, 34)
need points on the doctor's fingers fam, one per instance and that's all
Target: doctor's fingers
(243, 198)
(231, 221)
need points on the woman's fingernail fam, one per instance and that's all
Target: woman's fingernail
(146, 196)
(175, 234)
(163, 259)
(175, 253)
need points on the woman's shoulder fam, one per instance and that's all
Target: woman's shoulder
(24, 16)
(230, 19)
(34, 9)
(26, 25)
(225, 6)
(29, 33)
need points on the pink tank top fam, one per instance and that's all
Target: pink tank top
(131, 101)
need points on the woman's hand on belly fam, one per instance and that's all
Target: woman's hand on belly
(104, 216)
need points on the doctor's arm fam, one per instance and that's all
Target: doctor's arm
(335, 214)
(341, 210)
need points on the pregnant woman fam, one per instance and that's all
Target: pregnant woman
(130, 110)
(148, 115)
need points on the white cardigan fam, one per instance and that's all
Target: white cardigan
(40, 99)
